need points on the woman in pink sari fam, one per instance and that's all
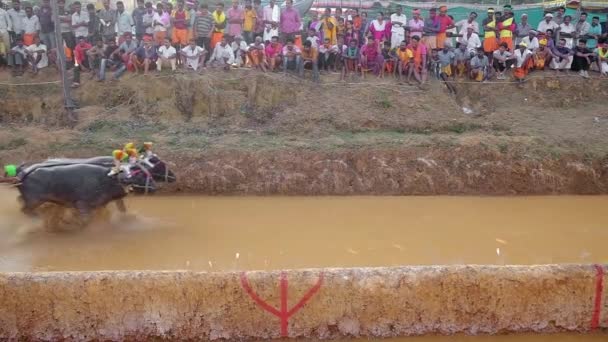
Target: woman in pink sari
(378, 28)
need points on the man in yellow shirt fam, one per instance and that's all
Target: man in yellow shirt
(249, 23)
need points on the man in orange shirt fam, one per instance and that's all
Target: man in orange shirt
(249, 22)
(309, 56)
(445, 23)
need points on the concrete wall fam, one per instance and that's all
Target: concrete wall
(332, 302)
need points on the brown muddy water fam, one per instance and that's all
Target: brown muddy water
(247, 233)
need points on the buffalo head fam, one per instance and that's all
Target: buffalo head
(159, 170)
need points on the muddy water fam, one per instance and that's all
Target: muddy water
(234, 233)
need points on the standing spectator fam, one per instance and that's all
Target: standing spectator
(192, 7)
(258, 30)
(5, 27)
(309, 57)
(94, 24)
(113, 61)
(65, 23)
(567, 31)
(3, 56)
(290, 21)
(167, 55)
(531, 41)
(124, 22)
(463, 25)
(235, 20)
(490, 41)
(364, 27)
(219, 24)
(523, 29)
(17, 16)
(223, 55)
(524, 62)
(272, 16)
(162, 23)
(559, 15)
(181, 18)
(604, 26)
(37, 55)
(350, 59)
(595, 32)
(249, 23)
(582, 26)
(431, 28)
(168, 8)
(107, 17)
(291, 56)
(470, 39)
(81, 60)
(17, 58)
(31, 26)
(562, 57)
(203, 28)
(378, 29)
(507, 26)
(398, 23)
(148, 20)
(273, 53)
(547, 24)
(138, 19)
(479, 66)
(416, 24)
(193, 56)
(445, 23)
(144, 56)
(80, 21)
(582, 58)
(47, 26)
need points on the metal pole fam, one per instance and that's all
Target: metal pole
(61, 62)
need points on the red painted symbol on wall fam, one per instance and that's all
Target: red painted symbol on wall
(283, 313)
(599, 291)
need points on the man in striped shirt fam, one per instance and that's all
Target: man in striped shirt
(203, 27)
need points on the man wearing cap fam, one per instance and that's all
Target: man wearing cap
(506, 27)
(523, 63)
(471, 39)
(523, 29)
(431, 28)
(416, 24)
(547, 24)
(531, 41)
(463, 25)
(490, 41)
(398, 23)
(445, 23)
(542, 56)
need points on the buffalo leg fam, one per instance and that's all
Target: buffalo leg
(29, 206)
(120, 205)
(85, 212)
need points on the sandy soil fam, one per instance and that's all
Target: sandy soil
(246, 132)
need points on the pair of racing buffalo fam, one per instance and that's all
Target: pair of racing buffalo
(84, 184)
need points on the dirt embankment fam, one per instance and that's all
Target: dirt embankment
(249, 133)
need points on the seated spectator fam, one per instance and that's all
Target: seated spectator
(309, 58)
(542, 55)
(167, 56)
(240, 48)
(418, 69)
(257, 55)
(17, 58)
(144, 56)
(388, 59)
(273, 53)
(502, 60)
(112, 60)
(223, 55)
(327, 55)
(602, 56)
(405, 58)
(531, 41)
(581, 59)
(81, 60)
(313, 38)
(127, 47)
(479, 66)
(95, 55)
(371, 58)
(524, 62)
(447, 61)
(37, 55)
(193, 55)
(351, 59)
(291, 56)
(562, 57)
(337, 50)
(462, 57)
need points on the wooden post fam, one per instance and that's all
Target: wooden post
(61, 62)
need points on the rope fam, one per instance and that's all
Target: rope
(28, 84)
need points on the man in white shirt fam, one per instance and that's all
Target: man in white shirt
(166, 56)
(502, 60)
(471, 39)
(37, 55)
(193, 56)
(463, 25)
(223, 55)
(17, 15)
(522, 57)
(547, 24)
(80, 21)
(240, 48)
(531, 41)
(124, 21)
(567, 31)
(31, 26)
(5, 27)
(398, 23)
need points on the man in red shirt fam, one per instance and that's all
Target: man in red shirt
(445, 23)
(81, 61)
